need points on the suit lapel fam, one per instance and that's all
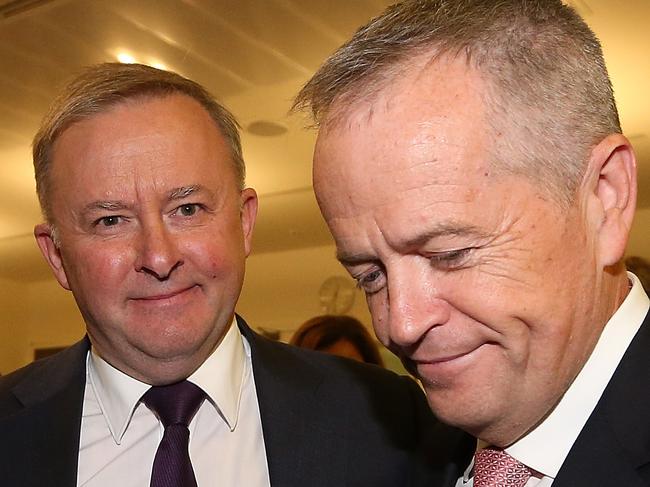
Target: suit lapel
(294, 417)
(453, 451)
(46, 425)
(598, 459)
(613, 448)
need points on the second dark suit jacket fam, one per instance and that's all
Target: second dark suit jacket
(327, 422)
(613, 448)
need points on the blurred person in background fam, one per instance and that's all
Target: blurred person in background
(344, 336)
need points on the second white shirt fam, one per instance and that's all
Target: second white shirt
(119, 435)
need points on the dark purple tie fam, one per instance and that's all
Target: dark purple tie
(175, 405)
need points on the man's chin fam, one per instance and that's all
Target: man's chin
(156, 361)
(168, 369)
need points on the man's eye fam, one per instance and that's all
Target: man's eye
(371, 282)
(108, 221)
(449, 259)
(188, 210)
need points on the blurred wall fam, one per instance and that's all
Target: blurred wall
(639, 243)
(14, 328)
(35, 315)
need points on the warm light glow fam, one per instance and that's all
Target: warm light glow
(158, 65)
(126, 58)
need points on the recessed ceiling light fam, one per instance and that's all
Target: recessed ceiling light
(125, 58)
(266, 128)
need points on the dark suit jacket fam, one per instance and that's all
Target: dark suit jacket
(613, 448)
(326, 421)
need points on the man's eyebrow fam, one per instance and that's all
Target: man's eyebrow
(444, 229)
(105, 206)
(116, 205)
(353, 259)
(184, 191)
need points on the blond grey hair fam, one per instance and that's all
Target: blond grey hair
(549, 93)
(99, 88)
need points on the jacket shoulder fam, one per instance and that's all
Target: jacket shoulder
(42, 378)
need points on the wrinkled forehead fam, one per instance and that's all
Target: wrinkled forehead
(427, 128)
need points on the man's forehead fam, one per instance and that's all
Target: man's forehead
(434, 71)
(101, 110)
(363, 170)
(154, 146)
(425, 96)
(141, 124)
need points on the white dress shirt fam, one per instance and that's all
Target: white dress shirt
(120, 435)
(546, 447)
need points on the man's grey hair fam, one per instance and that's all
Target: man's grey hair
(98, 89)
(548, 91)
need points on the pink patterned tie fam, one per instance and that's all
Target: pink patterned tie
(495, 468)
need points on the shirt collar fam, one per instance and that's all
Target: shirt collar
(220, 376)
(563, 425)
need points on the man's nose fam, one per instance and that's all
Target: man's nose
(415, 304)
(158, 252)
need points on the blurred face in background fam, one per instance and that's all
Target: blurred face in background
(152, 233)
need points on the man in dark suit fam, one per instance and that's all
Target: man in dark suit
(471, 167)
(141, 180)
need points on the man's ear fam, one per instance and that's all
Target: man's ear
(611, 180)
(45, 238)
(248, 215)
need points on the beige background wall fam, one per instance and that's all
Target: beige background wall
(14, 329)
(639, 243)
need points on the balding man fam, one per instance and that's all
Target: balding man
(471, 167)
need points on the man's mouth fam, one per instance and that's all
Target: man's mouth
(168, 295)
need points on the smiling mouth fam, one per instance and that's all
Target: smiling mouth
(446, 359)
(442, 359)
(446, 366)
(162, 297)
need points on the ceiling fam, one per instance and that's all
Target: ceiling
(253, 55)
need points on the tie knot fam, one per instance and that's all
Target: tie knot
(495, 468)
(175, 403)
